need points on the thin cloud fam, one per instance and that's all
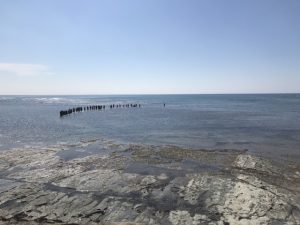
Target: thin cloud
(24, 70)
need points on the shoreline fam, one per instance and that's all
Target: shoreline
(145, 184)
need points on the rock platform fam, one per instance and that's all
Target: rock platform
(144, 184)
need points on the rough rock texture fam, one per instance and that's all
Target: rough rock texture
(138, 184)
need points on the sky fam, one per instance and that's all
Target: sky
(55, 47)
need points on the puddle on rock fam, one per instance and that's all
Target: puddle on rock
(194, 166)
(180, 170)
(73, 153)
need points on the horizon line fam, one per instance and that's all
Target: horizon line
(254, 93)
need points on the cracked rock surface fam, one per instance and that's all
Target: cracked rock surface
(115, 184)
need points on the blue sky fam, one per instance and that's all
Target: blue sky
(149, 46)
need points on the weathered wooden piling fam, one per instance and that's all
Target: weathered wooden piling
(96, 107)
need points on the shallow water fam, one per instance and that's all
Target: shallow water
(264, 124)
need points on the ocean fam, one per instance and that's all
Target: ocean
(264, 124)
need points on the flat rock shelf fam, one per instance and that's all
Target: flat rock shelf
(143, 184)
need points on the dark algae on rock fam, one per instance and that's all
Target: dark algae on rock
(144, 184)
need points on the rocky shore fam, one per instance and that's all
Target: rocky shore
(102, 182)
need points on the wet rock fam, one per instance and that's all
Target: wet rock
(162, 176)
(139, 184)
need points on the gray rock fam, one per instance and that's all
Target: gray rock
(170, 185)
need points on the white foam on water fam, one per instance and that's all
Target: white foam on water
(6, 98)
(55, 100)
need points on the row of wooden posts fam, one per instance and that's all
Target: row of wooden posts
(96, 107)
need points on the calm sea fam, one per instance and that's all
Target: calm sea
(264, 124)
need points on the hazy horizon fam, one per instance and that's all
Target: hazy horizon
(149, 47)
(275, 93)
